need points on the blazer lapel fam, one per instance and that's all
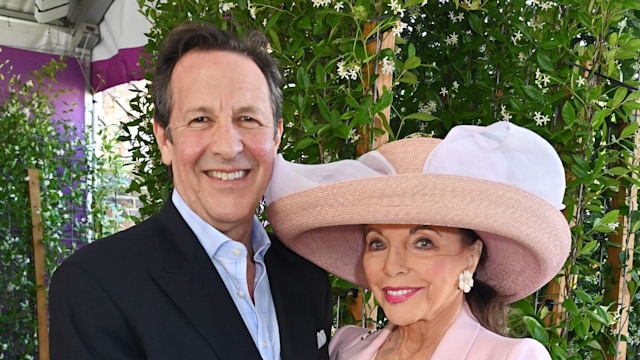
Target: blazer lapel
(295, 331)
(192, 282)
(459, 338)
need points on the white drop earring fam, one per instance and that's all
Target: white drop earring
(465, 281)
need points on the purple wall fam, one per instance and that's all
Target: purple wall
(69, 86)
(71, 79)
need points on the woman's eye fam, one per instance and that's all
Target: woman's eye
(375, 245)
(424, 243)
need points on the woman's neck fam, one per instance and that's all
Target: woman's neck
(420, 339)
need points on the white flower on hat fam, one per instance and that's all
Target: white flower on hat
(465, 281)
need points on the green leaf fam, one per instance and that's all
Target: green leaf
(594, 344)
(631, 4)
(599, 314)
(536, 330)
(588, 247)
(629, 130)
(411, 50)
(476, 24)
(568, 113)
(303, 143)
(544, 62)
(618, 170)
(583, 296)
(302, 78)
(412, 63)
(630, 106)
(420, 116)
(611, 217)
(349, 99)
(533, 92)
(618, 97)
(324, 109)
(570, 306)
(408, 78)
(598, 118)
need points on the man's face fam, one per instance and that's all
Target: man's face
(222, 143)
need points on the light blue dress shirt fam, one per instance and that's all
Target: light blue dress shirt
(230, 259)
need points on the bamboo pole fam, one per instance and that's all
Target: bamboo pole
(38, 261)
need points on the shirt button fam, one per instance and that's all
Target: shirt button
(241, 294)
(264, 344)
(236, 252)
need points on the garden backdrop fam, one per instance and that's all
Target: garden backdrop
(357, 74)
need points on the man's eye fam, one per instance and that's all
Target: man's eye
(199, 119)
(248, 121)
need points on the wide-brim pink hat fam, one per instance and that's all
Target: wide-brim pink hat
(502, 181)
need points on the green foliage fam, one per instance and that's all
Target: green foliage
(565, 69)
(34, 137)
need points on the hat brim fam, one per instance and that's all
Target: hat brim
(527, 240)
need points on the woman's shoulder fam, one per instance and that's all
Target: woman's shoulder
(355, 343)
(514, 348)
(467, 339)
(347, 336)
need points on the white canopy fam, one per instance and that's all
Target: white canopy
(106, 33)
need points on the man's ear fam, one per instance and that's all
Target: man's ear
(278, 137)
(163, 141)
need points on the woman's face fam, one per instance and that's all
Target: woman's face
(413, 269)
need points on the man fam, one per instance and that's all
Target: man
(201, 279)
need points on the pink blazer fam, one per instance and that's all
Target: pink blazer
(465, 339)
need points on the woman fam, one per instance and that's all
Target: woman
(445, 233)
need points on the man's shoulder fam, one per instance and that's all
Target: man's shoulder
(278, 249)
(127, 243)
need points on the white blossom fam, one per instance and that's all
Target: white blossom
(396, 7)
(522, 57)
(353, 136)
(516, 37)
(398, 28)
(504, 113)
(252, 10)
(540, 119)
(452, 39)
(546, 5)
(388, 66)
(226, 6)
(319, 3)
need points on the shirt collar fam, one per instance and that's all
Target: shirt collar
(211, 239)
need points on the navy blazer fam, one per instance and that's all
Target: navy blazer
(151, 292)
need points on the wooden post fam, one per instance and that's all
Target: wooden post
(556, 291)
(38, 261)
(358, 307)
(623, 242)
(554, 295)
(388, 41)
